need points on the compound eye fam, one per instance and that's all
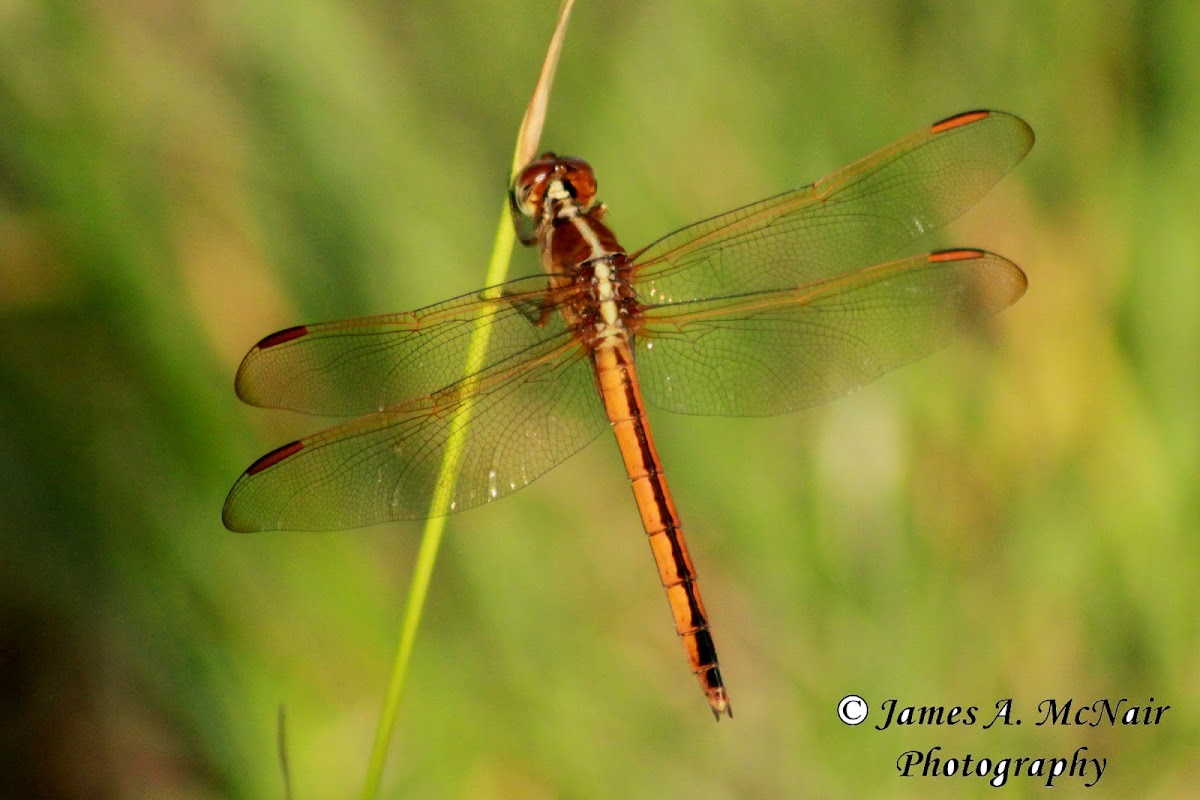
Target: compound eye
(529, 187)
(578, 175)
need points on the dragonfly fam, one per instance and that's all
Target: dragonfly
(770, 308)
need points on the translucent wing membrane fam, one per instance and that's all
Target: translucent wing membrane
(772, 352)
(766, 309)
(855, 217)
(522, 421)
(357, 366)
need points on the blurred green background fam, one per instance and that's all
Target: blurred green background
(1013, 517)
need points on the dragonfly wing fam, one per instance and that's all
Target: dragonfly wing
(772, 352)
(363, 365)
(512, 423)
(857, 216)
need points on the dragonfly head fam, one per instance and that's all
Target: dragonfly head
(553, 186)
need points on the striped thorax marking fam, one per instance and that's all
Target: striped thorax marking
(607, 294)
(603, 277)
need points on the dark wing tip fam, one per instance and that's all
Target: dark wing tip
(229, 514)
(978, 115)
(1008, 286)
(958, 120)
(275, 456)
(279, 337)
(242, 381)
(956, 254)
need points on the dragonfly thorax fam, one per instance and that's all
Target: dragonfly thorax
(611, 307)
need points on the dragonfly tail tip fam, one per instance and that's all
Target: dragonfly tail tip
(719, 703)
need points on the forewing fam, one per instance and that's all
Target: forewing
(362, 365)
(856, 217)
